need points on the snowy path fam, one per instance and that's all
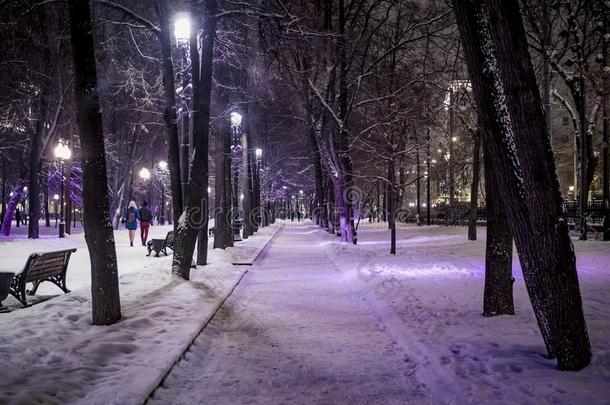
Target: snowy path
(292, 332)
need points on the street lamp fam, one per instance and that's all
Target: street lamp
(236, 119)
(144, 174)
(163, 167)
(182, 32)
(56, 198)
(62, 153)
(256, 178)
(182, 27)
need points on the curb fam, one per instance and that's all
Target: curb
(250, 261)
(158, 382)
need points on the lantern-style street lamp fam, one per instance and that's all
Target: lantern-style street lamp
(62, 153)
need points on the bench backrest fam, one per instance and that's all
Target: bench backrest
(43, 265)
(169, 239)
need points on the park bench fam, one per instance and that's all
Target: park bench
(595, 223)
(50, 266)
(161, 245)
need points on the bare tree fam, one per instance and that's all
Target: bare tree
(514, 129)
(98, 227)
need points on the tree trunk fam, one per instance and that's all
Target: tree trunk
(247, 183)
(606, 136)
(169, 113)
(3, 211)
(330, 198)
(346, 190)
(223, 237)
(474, 190)
(391, 187)
(498, 293)
(9, 214)
(98, 228)
(47, 215)
(200, 121)
(520, 148)
(34, 164)
(194, 218)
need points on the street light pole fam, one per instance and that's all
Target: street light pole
(183, 33)
(258, 152)
(62, 153)
(184, 128)
(428, 182)
(62, 221)
(162, 213)
(235, 125)
(450, 158)
(162, 165)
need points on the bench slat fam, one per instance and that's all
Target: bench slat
(47, 272)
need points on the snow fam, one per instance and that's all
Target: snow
(312, 321)
(50, 353)
(319, 321)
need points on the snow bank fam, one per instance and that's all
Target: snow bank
(50, 353)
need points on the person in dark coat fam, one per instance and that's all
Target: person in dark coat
(18, 216)
(146, 217)
(131, 220)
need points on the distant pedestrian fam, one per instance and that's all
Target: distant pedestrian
(131, 220)
(146, 218)
(18, 215)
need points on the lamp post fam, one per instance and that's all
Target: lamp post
(62, 153)
(163, 167)
(258, 153)
(56, 201)
(182, 32)
(236, 129)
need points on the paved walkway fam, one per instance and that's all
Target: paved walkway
(292, 333)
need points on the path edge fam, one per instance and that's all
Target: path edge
(252, 259)
(189, 342)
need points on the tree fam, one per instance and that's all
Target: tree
(514, 129)
(169, 113)
(98, 227)
(498, 292)
(194, 217)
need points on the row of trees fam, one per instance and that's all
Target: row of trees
(346, 97)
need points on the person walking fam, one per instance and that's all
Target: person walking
(131, 220)
(18, 215)
(146, 217)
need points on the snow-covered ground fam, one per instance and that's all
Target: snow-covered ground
(51, 354)
(317, 321)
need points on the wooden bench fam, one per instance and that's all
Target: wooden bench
(161, 245)
(595, 224)
(50, 266)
